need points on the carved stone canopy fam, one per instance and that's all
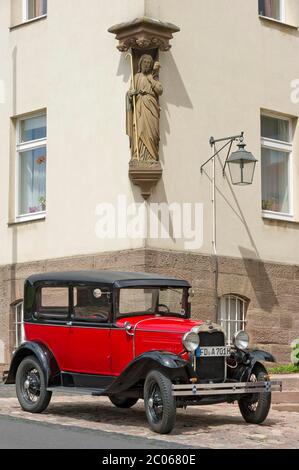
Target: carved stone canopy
(144, 33)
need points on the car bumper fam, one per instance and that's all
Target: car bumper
(231, 388)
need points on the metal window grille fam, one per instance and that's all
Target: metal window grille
(19, 324)
(232, 315)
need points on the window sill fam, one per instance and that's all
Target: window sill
(28, 219)
(267, 19)
(276, 216)
(25, 23)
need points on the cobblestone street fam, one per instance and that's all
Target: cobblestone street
(219, 426)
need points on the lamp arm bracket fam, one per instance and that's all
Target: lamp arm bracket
(229, 142)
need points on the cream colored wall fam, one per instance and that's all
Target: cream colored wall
(16, 12)
(69, 65)
(225, 65)
(292, 12)
(223, 68)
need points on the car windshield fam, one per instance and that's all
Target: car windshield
(164, 301)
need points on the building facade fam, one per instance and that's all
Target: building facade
(64, 154)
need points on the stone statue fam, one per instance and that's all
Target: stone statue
(143, 111)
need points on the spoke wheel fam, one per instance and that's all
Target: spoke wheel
(160, 405)
(31, 386)
(255, 407)
(155, 403)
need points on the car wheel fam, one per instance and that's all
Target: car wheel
(255, 408)
(31, 386)
(160, 405)
(122, 402)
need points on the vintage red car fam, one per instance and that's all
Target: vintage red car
(130, 336)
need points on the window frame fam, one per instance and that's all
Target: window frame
(286, 147)
(39, 316)
(77, 321)
(26, 18)
(185, 295)
(23, 147)
(282, 13)
(222, 321)
(18, 324)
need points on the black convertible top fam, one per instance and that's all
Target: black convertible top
(116, 279)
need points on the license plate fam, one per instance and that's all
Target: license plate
(213, 351)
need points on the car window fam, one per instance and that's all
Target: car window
(157, 300)
(91, 304)
(53, 303)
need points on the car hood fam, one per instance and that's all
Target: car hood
(155, 323)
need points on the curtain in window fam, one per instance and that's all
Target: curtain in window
(270, 8)
(277, 129)
(32, 181)
(33, 128)
(275, 181)
(41, 7)
(36, 8)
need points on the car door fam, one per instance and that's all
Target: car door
(50, 321)
(89, 344)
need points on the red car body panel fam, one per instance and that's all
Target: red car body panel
(76, 349)
(54, 337)
(108, 351)
(89, 350)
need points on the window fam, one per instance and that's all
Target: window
(232, 314)
(160, 300)
(18, 311)
(91, 304)
(31, 167)
(53, 303)
(272, 9)
(276, 165)
(34, 9)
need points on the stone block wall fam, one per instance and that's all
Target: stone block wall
(271, 289)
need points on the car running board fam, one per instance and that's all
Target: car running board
(95, 392)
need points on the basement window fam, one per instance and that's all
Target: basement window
(35, 9)
(274, 9)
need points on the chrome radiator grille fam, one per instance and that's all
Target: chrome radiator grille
(211, 368)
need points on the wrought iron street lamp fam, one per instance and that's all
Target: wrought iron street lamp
(241, 164)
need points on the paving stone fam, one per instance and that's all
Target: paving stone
(217, 426)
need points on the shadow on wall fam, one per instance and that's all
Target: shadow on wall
(254, 265)
(259, 279)
(2, 355)
(175, 93)
(14, 229)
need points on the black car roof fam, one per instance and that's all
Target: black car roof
(109, 278)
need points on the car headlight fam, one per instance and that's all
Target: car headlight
(241, 339)
(191, 341)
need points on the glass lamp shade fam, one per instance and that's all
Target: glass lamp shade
(241, 166)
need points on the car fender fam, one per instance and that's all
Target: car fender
(170, 364)
(45, 357)
(253, 357)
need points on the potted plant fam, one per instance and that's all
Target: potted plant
(42, 202)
